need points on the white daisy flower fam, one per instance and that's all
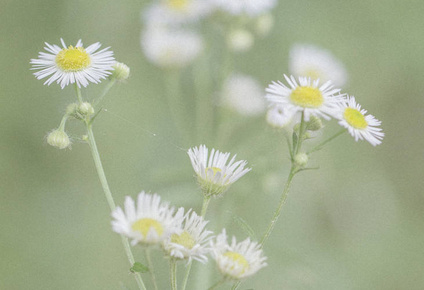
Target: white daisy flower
(171, 49)
(237, 261)
(174, 12)
(148, 223)
(191, 241)
(316, 63)
(307, 97)
(244, 95)
(360, 125)
(278, 117)
(213, 173)
(71, 64)
(249, 7)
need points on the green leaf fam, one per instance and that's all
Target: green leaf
(139, 268)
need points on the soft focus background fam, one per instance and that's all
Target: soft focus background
(356, 223)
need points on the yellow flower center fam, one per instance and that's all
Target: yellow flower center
(307, 97)
(355, 118)
(73, 59)
(178, 4)
(214, 169)
(185, 240)
(144, 225)
(239, 259)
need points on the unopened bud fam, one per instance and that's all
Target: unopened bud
(314, 124)
(121, 71)
(240, 40)
(85, 109)
(58, 139)
(71, 109)
(264, 24)
(301, 159)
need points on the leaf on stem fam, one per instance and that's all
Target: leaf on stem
(139, 268)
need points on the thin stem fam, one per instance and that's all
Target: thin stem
(111, 202)
(206, 201)
(173, 271)
(302, 129)
(63, 122)
(105, 91)
(279, 207)
(151, 268)
(220, 282)
(78, 91)
(187, 275)
(236, 285)
(320, 145)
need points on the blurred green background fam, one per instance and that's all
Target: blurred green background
(356, 223)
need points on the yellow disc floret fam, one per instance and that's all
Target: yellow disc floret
(214, 169)
(239, 259)
(185, 240)
(73, 59)
(144, 225)
(178, 4)
(307, 97)
(355, 118)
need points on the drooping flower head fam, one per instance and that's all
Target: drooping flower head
(69, 64)
(149, 222)
(214, 173)
(191, 241)
(360, 125)
(237, 261)
(305, 96)
(316, 63)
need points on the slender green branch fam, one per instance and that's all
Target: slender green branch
(78, 91)
(236, 285)
(320, 145)
(173, 272)
(151, 268)
(63, 122)
(187, 275)
(109, 197)
(206, 201)
(105, 91)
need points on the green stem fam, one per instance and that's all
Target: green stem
(63, 122)
(105, 91)
(187, 275)
(151, 268)
(173, 271)
(206, 201)
(320, 145)
(108, 194)
(220, 282)
(302, 129)
(78, 91)
(236, 285)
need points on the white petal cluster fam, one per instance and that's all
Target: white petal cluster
(237, 260)
(191, 240)
(148, 222)
(69, 65)
(317, 63)
(244, 95)
(170, 48)
(214, 172)
(250, 7)
(278, 117)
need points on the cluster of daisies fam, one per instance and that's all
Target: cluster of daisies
(171, 36)
(181, 234)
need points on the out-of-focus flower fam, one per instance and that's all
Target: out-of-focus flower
(316, 63)
(240, 40)
(71, 64)
(250, 7)
(278, 117)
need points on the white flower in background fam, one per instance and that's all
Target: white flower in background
(214, 173)
(306, 96)
(240, 40)
(249, 7)
(71, 64)
(191, 241)
(243, 94)
(237, 261)
(171, 49)
(360, 125)
(149, 222)
(264, 24)
(171, 12)
(278, 117)
(316, 63)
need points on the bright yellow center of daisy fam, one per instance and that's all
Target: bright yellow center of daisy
(239, 259)
(144, 225)
(178, 4)
(355, 118)
(185, 240)
(307, 97)
(214, 169)
(73, 59)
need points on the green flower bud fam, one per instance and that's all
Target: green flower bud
(58, 139)
(314, 124)
(121, 71)
(85, 109)
(71, 109)
(301, 159)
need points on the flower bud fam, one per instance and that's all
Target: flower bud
(59, 139)
(240, 40)
(71, 109)
(314, 124)
(264, 24)
(85, 109)
(121, 71)
(301, 159)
